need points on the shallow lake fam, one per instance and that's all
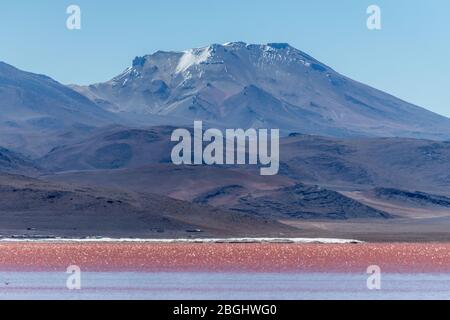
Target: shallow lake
(216, 286)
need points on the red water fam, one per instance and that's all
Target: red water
(150, 257)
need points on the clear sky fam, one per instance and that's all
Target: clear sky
(409, 57)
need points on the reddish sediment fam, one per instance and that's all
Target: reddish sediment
(176, 257)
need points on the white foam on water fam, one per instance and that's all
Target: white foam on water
(212, 240)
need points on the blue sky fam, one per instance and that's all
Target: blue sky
(408, 58)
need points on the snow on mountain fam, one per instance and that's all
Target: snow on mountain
(250, 85)
(193, 57)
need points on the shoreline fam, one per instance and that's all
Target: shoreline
(193, 240)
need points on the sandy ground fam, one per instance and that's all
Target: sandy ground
(393, 257)
(393, 230)
(399, 209)
(411, 223)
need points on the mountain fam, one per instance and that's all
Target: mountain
(36, 111)
(337, 166)
(248, 85)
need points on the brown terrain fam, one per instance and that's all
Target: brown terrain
(35, 208)
(119, 182)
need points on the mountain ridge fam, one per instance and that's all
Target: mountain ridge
(38, 113)
(304, 95)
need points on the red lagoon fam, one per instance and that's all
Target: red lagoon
(214, 257)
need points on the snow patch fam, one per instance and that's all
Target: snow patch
(126, 75)
(193, 57)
